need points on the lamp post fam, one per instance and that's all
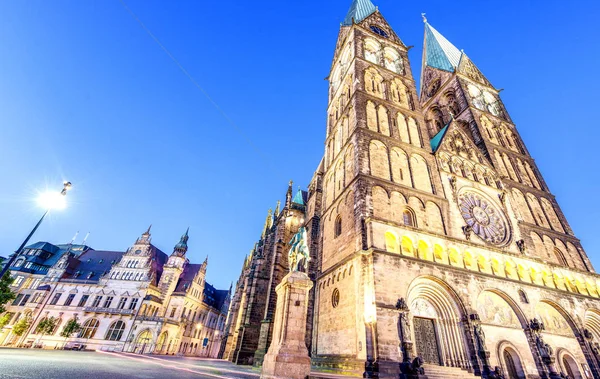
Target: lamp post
(51, 200)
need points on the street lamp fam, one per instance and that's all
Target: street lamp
(49, 200)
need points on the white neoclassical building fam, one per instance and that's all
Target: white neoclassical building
(140, 300)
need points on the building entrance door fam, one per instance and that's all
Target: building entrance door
(426, 340)
(510, 365)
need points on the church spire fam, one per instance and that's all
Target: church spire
(438, 52)
(288, 195)
(268, 223)
(182, 247)
(359, 10)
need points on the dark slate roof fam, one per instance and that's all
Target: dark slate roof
(187, 277)
(51, 255)
(158, 261)
(213, 297)
(93, 264)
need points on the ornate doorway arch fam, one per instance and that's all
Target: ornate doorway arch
(568, 365)
(437, 323)
(143, 341)
(511, 361)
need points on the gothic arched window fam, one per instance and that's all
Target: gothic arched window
(393, 61)
(560, 257)
(453, 105)
(372, 51)
(437, 118)
(408, 216)
(338, 226)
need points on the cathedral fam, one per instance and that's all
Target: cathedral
(436, 243)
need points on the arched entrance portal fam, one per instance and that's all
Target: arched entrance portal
(569, 366)
(161, 342)
(437, 323)
(142, 342)
(513, 368)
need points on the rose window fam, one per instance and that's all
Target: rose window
(485, 219)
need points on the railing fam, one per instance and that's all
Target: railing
(109, 310)
(150, 318)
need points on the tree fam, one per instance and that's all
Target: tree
(6, 294)
(22, 325)
(71, 327)
(4, 320)
(46, 326)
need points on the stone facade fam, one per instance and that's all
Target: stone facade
(250, 319)
(434, 200)
(140, 300)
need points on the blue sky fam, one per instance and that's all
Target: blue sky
(87, 95)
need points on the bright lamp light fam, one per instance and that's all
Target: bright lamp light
(52, 200)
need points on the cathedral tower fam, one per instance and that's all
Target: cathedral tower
(434, 213)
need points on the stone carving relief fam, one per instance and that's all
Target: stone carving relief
(554, 322)
(495, 310)
(423, 308)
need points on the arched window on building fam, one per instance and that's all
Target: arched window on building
(115, 331)
(372, 51)
(453, 105)
(408, 216)
(338, 226)
(89, 328)
(560, 257)
(437, 117)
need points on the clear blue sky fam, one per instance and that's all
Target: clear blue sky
(87, 95)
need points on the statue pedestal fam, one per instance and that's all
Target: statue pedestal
(287, 357)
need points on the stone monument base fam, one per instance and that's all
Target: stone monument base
(287, 357)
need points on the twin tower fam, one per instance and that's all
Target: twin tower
(432, 230)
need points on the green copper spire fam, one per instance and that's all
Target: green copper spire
(438, 52)
(359, 10)
(181, 247)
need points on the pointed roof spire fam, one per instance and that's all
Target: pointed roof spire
(288, 195)
(182, 247)
(268, 223)
(145, 238)
(359, 10)
(438, 52)
(277, 208)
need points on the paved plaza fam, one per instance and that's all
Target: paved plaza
(60, 364)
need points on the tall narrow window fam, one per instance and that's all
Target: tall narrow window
(408, 217)
(107, 302)
(560, 257)
(55, 298)
(97, 301)
(338, 226)
(70, 299)
(122, 302)
(83, 300)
